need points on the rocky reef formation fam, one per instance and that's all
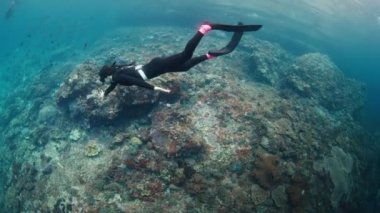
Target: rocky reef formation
(259, 130)
(81, 97)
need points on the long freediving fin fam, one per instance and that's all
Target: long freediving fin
(235, 28)
(231, 45)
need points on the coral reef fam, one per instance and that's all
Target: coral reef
(267, 171)
(315, 76)
(75, 135)
(258, 194)
(269, 60)
(259, 130)
(339, 166)
(92, 149)
(280, 197)
(81, 96)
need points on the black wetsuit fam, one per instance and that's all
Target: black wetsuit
(127, 77)
(131, 75)
(176, 63)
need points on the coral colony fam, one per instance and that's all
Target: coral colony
(259, 130)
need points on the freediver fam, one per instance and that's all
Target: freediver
(132, 74)
(10, 10)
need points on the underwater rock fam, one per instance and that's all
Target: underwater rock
(258, 194)
(181, 140)
(176, 144)
(315, 76)
(148, 190)
(298, 191)
(47, 114)
(81, 96)
(40, 135)
(280, 197)
(267, 171)
(25, 177)
(268, 62)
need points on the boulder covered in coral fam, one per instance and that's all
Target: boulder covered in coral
(315, 76)
(81, 95)
(268, 61)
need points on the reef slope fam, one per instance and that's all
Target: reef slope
(259, 130)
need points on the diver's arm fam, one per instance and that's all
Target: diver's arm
(144, 84)
(133, 63)
(162, 89)
(110, 88)
(141, 83)
(129, 80)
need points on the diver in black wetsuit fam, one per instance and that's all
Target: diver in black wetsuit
(132, 74)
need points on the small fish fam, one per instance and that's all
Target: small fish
(9, 12)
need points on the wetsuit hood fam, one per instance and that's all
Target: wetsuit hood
(106, 71)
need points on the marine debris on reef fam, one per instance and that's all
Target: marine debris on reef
(259, 130)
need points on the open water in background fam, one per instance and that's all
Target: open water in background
(41, 33)
(347, 30)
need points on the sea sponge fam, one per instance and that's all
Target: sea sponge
(267, 172)
(92, 149)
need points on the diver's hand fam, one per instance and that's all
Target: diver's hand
(101, 95)
(162, 89)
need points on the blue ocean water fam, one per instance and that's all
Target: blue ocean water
(36, 35)
(348, 32)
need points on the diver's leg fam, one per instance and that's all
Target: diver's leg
(183, 61)
(192, 62)
(212, 54)
(161, 65)
(187, 53)
(194, 41)
(177, 60)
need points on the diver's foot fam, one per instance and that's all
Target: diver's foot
(210, 56)
(205, 28)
